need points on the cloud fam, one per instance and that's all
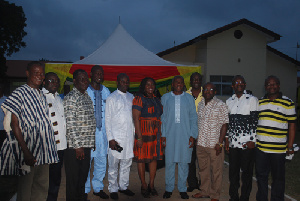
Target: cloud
(65, 30)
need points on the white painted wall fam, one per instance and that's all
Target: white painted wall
(286, 72)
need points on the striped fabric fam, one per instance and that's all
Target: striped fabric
(272, 128)
(30, 107)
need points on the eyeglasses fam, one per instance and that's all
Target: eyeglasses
(205, 90)
(53, 81)
(239, 82)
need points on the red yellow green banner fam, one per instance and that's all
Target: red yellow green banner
(161, 74)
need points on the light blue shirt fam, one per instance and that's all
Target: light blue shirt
(2, 99)
(179, 123)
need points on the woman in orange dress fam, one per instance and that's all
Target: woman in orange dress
(146, 112)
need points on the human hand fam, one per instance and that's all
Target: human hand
(218, 149)
(112, 144)
(227, 145)
(290, 151)
(191, 142)
(29, 159)
(163, 140)
(80, 153)
(139, 143)
(249, 145)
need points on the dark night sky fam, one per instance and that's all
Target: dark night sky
(66, 29)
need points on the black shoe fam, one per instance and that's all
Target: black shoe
(101, 194)
(127, 192)
(85, 197)
(190, 189)
(184, 195)
(167, 195)
(114, 196)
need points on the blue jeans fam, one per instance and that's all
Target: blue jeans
(266, 163)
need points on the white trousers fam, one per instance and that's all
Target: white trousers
(114, 170)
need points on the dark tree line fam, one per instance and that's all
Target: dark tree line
(12, 24)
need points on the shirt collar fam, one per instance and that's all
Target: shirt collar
(177, 95)
(45, 91)
(280, 96)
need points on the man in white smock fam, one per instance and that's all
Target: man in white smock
(120, 133)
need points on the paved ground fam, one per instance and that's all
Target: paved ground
(160, 187)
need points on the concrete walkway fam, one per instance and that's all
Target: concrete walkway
(135, 186)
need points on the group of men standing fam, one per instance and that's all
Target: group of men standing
(256, 131)
(91, 124)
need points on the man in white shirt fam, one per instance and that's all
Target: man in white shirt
(120, 132)
(57, 117)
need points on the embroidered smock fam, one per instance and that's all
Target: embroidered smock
(179, 123)
(80, 119)
(30, 107)
(119, 124)
(57, 117)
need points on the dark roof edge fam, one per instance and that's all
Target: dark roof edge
(219, 30)
(294, 61)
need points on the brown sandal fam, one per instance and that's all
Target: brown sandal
(199, 195)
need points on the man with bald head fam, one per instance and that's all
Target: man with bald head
(212, 127)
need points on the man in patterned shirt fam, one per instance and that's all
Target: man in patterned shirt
(212, 127)
(240, 142)
(277, 120)
(81, 128)
(30, 145)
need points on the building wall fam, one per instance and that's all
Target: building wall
(223, 54)
(186, 56)
(286, 72)
(246, 56)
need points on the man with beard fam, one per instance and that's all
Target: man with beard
(81, 128)
(98, 94)
(179, 130)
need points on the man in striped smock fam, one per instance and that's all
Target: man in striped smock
(30, 145)
(277, 120)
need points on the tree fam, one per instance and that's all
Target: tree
(12, 24)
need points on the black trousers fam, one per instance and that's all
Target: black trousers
(2, 137)
(266, 163)
(240, 159)
(76, 174)
(192, 177)
(55, 177)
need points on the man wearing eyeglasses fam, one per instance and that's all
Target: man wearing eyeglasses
(57, 117)
(212, 126)
(241, 138)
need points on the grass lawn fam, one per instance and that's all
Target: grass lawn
(292, 176)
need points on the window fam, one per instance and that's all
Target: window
(223, 84)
